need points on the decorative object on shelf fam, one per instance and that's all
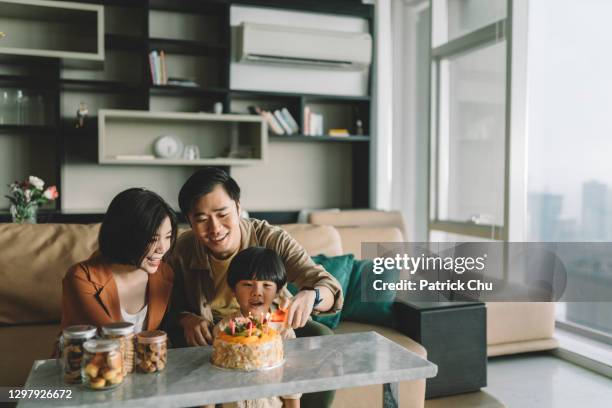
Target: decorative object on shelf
(338, 132)
(2, 34)
(218, 108)
(168, 146)
(359, 127)
(8, 112)
(191, 152)
(27, 196)
(81, 113)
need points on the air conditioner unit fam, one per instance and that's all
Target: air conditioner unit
(263, 43)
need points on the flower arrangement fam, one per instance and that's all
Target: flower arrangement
(27, 196)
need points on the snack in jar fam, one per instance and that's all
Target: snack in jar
(123, 332)
(151, 351)
(102, 366)
(71, 344)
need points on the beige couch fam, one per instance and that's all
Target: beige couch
(512, 327)
(35, 257)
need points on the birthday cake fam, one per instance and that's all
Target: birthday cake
(248, 344)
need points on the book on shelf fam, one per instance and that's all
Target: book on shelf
(273, 124)
(338, 132)
(188, 83)
(134, 157)
(306, 130)
(313, 123)
(290, 120)
(279, 117)
(157, 65)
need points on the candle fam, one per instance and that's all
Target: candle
(232, 326)
(261, 318)
(250, 328)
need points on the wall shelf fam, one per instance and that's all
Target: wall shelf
(128, 137)
(176, 90)
(77, 30)
(325, 139)
(27, 129)
(99, 85)
(196, 37)
(187, 47)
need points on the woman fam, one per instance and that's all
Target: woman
(127, 279)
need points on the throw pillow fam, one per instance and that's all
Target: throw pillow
(364, 304)
(340, 267)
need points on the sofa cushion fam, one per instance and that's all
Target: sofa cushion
(341, 268)
(509, 322)
(359, 218)
(20, 346)
(33, 263)
(353, 237)
(374, 307)
(316, 239)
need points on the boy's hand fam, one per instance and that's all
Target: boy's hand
(300, 308)
(197, 330)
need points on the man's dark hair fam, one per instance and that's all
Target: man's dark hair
(257, 263)
(130, 223)
(203, 182)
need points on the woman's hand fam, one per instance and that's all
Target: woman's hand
(197, 330)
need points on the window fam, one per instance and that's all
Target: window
(469, 60)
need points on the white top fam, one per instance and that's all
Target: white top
(137, 319)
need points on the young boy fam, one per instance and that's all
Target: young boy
(256, 275)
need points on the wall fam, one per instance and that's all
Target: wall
(298, 175)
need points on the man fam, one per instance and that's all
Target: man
(211, 201)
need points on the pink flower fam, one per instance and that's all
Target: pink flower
(51, 193)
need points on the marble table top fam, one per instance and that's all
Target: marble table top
(312, 364)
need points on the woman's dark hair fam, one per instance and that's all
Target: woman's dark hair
(203, 182)
(257, 263)
(130, 223)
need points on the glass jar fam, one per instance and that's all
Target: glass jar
(71, 346)
(123, 332)
(151, 351)
(102, 366)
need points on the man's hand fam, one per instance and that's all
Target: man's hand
(197, 330)
(300, 308)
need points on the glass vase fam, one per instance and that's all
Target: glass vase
(25, 214)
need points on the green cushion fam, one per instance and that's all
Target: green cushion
(341, 268)
(378, 309)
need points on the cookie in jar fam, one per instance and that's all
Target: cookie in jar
(123, 332)
(71, 344)
(151, 351)
(102, 367)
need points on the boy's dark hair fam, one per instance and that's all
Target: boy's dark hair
(203, 182)
(130, 223)
(257, 263)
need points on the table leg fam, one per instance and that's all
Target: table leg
(391, 395)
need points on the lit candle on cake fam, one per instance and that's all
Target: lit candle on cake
(232, 326)
(250, 328)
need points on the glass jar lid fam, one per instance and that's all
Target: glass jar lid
(118, 329)
(81, 331)
(152, 336)
(101, 345)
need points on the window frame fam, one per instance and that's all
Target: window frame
(484, 36)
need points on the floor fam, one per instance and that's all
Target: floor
(542, 380)
(535, 381)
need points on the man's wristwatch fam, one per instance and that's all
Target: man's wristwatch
(318, 298)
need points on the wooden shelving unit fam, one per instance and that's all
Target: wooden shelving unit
(121, 80)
